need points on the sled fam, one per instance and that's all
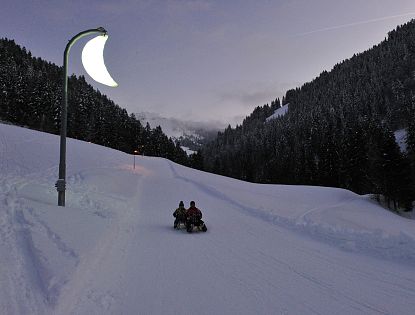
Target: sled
(179, 222)
(195, 222)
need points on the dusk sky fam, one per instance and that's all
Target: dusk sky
(204, 59)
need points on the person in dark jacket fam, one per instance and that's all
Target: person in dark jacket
(194, 218)
(193, 211)
(179, 214)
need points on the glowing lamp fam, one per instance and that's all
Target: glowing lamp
(93, 61)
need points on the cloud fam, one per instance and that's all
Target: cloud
(177, 7)
(257, 96)
(335, 27)
(77, 10)
(247, 98)
(122, 6)
(193, 125)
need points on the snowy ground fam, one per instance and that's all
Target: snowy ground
(269, 249)
(400, 138)
(279, 112)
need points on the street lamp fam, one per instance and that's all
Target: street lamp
(135, 153)
(95, 67)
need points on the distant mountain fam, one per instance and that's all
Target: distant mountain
(192, 135)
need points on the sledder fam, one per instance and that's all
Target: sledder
(194, 219)
(180, 215)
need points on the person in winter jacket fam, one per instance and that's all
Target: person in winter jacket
(179, 214)
(193, 211)
(194, 219)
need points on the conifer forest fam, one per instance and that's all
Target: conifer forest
(338, 131)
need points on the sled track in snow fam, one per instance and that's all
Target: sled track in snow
(23, 281)
(397, 248)
(80, 289)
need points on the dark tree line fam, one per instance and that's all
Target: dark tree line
(31, 93)
(338, 131)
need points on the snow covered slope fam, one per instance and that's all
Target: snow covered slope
(279, 112)
(400, 138)
(269, 249)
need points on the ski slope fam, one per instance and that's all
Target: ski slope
(269, 249)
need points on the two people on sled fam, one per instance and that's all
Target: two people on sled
(190, 216)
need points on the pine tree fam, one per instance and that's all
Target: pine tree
(30, 95)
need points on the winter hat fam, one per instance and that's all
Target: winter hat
(181, 204)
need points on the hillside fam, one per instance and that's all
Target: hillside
(269, 249)
(31, 93)
(338, 130)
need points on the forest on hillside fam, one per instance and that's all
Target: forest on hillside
(338, 131)
(31, 93)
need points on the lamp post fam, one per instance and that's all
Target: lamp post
(135, 153)
(61, 182)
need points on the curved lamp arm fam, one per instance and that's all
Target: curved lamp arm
(61, 184)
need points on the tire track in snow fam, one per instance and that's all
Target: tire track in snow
(303, 218)
(80, 291)
(23, 283)
(221, 196)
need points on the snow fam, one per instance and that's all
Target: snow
(400, 138)
(188, 150)
(279, 112)
(269, 249)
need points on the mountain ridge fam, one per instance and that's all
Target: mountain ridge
(338, 130)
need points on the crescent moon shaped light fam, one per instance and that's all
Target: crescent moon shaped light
(93, 61)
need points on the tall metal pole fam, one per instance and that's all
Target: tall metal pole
(135, 153)
(61, 182)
